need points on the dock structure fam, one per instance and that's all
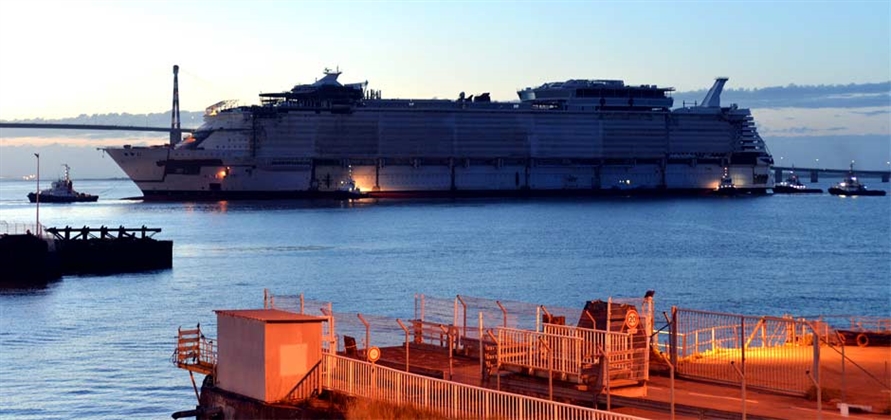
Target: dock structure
(26, 258)
(40, 254)
(105, 250)
(520, 360)
(87, 233)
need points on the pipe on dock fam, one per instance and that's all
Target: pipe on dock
(198, 411)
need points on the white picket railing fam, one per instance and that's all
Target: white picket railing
(541, 351)
(455, 400)
(610, 342)
(569, 350)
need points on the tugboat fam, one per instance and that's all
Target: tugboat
(792, 185)
(726, 186)
(851, 186)
(62, 191)
(348, 189)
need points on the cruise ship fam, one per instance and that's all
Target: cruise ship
(576, 137)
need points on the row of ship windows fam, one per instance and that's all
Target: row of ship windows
(238, 146)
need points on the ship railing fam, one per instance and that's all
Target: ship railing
(362, 379)
(221, 106)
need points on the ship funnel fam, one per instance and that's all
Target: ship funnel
(176, 133)
(713, 97)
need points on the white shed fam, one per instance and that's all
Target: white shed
(264, 353)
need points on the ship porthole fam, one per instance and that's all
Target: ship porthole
(862, 340)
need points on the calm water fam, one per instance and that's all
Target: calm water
(99, 347)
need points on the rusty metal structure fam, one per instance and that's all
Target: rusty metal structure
(194, 353)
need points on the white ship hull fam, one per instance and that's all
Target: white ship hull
(239, 177)
(400, 148)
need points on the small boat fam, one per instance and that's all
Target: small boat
(792, 185)
(726, 186)
(62, 191)
(851, 186)
(348, 189)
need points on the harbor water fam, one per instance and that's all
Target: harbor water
(100, 346)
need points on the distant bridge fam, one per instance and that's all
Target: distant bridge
(92, 127)
(814, 173)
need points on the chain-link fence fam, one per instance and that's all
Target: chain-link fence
(770, 353)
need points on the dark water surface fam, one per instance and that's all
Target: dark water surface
(99, 347)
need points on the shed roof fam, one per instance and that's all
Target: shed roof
(270, 315)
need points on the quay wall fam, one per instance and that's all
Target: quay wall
(32, 260)
(237, 406)
(27, 260)
(104, 256)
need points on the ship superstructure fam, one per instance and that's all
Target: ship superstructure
(577, 137)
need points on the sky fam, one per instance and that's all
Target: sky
(61, 59)
(66, 58)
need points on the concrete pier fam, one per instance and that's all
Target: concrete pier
(26, 260)
(35, 259)
(110, 250)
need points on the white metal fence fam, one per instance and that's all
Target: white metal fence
(540, 351)
(572, 351)
(454, 400)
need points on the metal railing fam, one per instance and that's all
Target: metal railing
(308, 386)
(455, 400)
(301, 305)
(195, 352)
(769, 353)
(570, 351)
(15, 228)
(463, 312)
(827, 325)
(609, 342)
(541, 351)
